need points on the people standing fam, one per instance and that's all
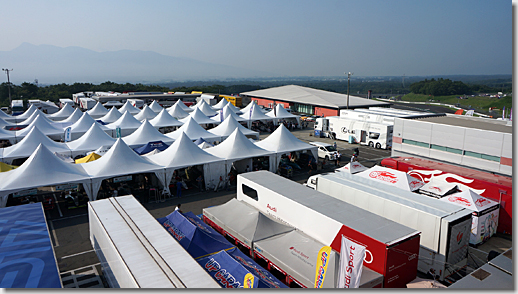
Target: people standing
(334, 145)
(354, 157)
(178, 207)
(338, 158)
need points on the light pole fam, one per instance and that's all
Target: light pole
(349, 74)
(8, 83)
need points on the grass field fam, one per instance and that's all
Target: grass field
(479, 103)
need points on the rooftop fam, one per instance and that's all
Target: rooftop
(472, 122)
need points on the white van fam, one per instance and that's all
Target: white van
(325, 150)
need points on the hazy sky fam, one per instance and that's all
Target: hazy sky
(299, 37)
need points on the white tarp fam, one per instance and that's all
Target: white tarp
(198, 116)
(62, 114)
(111, 116)
(352, 167)
(42, 168)
(194, 131)
(90, 141)
(97, 111)
(119, 160)
(80, 127)
(164, 119)
(394, 178)
(184, 153)
(177, 111)
(128, 107)
(144, 134)
(126, 122)
(228, 126)
(44, 126)
(145, 113)
(282, 141)
(226, 112)
(155, 107)
(29, 143)
(237, 147)
(351, 264)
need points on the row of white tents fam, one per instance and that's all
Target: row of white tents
(45, 168)
(79, 123)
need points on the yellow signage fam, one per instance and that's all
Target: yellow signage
(322, 261)
(249, 281)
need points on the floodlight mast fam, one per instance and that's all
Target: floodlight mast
(8, 83)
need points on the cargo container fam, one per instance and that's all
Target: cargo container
(87, 103)
(135, 251)
(64, 101)
(495, 187)
(391, 248)
(445, 228)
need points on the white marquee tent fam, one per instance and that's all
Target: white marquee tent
(280, 113)
(80, 127)
(23, 116)
(7, 135)
(183, 106)
(225, 112)
(205, 108)
(184, 153)
(111, 116)
(228, 126)
(44, 126)
(75, 116)
(90, 141)
(282, 141)
(127, 123)
(238, 150)
(43, 168)
(144, 134)
(255, 113)
(198, 116)
(352, 167)
(145, 113)
(222, 103)
(33, 116)
(155, 106)
(194, 131)
(177, 111)
(391, 177)
(128, 107)
(97, 111)
(62, 114)
(250, 105)
(164, 119)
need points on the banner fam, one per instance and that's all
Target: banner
(322, 262)
(351, 264)
(68, 134)
(221, 118)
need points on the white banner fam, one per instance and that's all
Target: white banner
(351, 264)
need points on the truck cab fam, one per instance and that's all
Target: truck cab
(17, 107)
(326, 151)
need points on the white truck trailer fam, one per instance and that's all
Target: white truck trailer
(445, 228)
(87, 103)
(374, 134)
(135, 251)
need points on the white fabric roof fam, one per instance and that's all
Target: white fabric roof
(280, 112)
(177, 111)
(164, 119)
(33, 116)
(144, 134)
(155, 106)
(391, 177)
(111, 116)
(205, 108)
(229, 125)
(91, 140)
(183, 106)
(222, 103)
(247, 108)
(32, 140)
(145, 113)
(75, 116)
(469, 200)
(43, 125)
(205, 145)
(83, 125)
(42, 168)
(97, 111)
(354, 167)
(194, 131)
(62, 114)
(282, 140)
(225, 112)
(4, 115)
(119, 160)
(437, 188)
(5, 134)
(125, 122)
(255, 114)
(182, 153)
(23, 116)
(236, 147)
(128, 107)
(198, 116)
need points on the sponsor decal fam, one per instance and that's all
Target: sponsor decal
(322, 262)
(413, 256)
(435, 188)
(441, 177)
(459, 237)
(371, 257)
(351, 264)
(257, 271)
(222, 276)
(249, 281)
(268, 206)
(173, 230)
(344, 130)
(459, 200)
(299, 252)
(415, 184)
(384, 176)
(482, 202)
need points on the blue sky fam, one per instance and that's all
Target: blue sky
(285, 37)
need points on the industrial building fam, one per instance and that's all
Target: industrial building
(475, 142)
(308, 100)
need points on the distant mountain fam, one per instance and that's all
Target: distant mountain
(51, 64)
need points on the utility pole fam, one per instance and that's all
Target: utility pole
(8, 83)
(349, 74)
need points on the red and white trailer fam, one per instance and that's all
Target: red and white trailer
(495, 187)
(391, 248)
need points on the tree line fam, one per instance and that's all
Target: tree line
(446, 87)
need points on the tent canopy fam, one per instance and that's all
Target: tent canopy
(180, 104)
(111, 116)
(97, 111)
(394, 178)
(250, 105)
(23, 116)
(91, 140)
(62, 114)
(83, 125)
(43, 125)
(155, 107)
(128, 107)
(165, 119)
(226, 112)
(75, 116)
(438, 189)
(145, 113)
(470, 200)
(177, 111)
(280, 112)
(126, 122)
(229, 125)
(144, 134)
(354, 167)
(90, 157)
(151, 146)
(194, 131)
(236, 147)
(33, 116)
(222, 103)
(198, 116)
(282, 140)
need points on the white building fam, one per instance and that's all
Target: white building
(474, 142)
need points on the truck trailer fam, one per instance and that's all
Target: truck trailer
(391, 248)
(445, 228)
